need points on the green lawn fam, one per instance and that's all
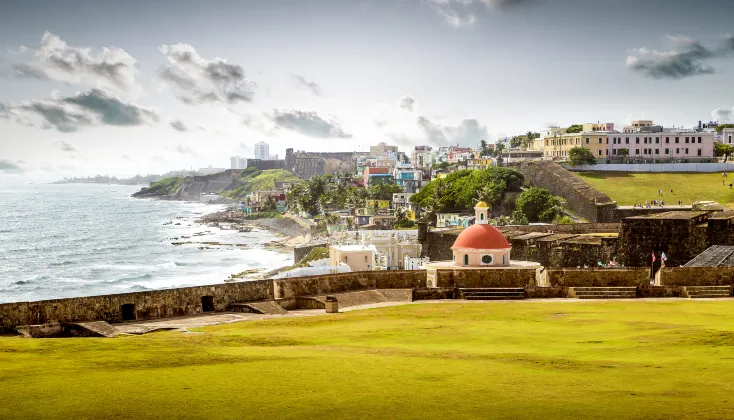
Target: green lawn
(628, 188)
(515, 360)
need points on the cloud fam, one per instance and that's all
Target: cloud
(69, 114)
(302, 82)
(467, 133)
(433, 132)
(722, 115)
(185, 150)
(309, 123)
(178, 125)
(407, 102)
(66, 146)
(689, 58)
(110, 68)
(463, 13)
(201, 81)
(8, 166)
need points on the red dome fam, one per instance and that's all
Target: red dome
(481, 237)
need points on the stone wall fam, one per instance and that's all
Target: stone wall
(506, 277)
(581, 198)
(697, 276)
(265, 165)
(437, 245)
(343, 282)
(591, 277)
(147, 305)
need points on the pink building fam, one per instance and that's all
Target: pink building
(667, 145)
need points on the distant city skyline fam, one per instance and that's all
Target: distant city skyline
(123, 88)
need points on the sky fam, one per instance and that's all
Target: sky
(138, 87)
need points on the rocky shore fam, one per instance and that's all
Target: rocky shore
(294, 231)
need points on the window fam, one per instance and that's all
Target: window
(599, 152)
(614, 152)
(667, 140)
(486, 259)
(504, 259)
(627, 140)
(686, 150)
(699, 152)
(657, 151)
(587, 140)
(699, 139)
(637, 140)
(365, 259)
(677, 139)
(606, 152)
(599, 140)
(657, 140)
(667, 151)
(637, 151)
(677, 150)
(466, 259)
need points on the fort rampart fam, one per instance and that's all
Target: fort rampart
(188, 301)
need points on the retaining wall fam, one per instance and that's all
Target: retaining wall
(344, 282)
(591, 277)
(697, 276)
(153, 304)
(505, 277)
(654, 167)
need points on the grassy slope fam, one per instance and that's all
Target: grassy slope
(630, 188)
(166, 186)
(514, 360)
(261, 180)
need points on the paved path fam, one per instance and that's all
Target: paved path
(184, 323)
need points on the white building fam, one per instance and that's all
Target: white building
(316, 268)
(392, 246)
(727, 136)
(237, 162)
(357, 257)
(414, 263)
(262, 150)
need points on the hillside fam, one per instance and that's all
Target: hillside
(230, 184)
(252, 180)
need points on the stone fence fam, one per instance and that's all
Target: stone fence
(697, 276)
(597, 277)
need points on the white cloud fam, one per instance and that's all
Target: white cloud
(109, 68)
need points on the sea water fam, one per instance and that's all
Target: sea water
(89, 239)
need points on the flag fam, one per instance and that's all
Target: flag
(663, 258)
(653, 257)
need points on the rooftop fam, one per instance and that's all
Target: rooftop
(714, 256)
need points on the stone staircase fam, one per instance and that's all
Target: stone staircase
(492, 293)
(698, 292)
(263, 308)
(603, 292)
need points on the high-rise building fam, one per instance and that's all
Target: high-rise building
(262, 150)
(237, 162)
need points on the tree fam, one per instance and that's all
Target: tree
(460, 190)
(539, 205)
(721, 127)
(575, 128)
(528, 139)
(405, 159)
(581, 156)
(486, 151)
(623, 153)
(725, 150)
(384, 191)
(270, 204)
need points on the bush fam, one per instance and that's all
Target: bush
(539, 205)
(581, 156)
(563, 220)
(263, 215)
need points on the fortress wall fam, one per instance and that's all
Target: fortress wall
(148, 305)
(580, 197)
(592, 277)
(505, 277)
(697, 276)
(344, 282)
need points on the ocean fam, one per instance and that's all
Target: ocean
(73, 240)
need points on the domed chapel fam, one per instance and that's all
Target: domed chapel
(481, 244)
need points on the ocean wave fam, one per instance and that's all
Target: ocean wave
(62, 263)
(129, 279)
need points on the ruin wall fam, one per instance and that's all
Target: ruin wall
(505, 277)
(592, 277)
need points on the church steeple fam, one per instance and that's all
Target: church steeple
(482, 213)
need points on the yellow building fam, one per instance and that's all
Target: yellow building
(557, 147)
(380, 204)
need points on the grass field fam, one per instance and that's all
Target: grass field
(516, 360)
(628, 188)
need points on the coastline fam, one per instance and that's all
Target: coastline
(292, 231)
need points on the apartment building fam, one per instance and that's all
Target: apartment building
(557, 146)
(666, 145)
